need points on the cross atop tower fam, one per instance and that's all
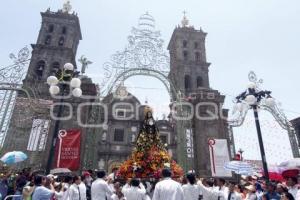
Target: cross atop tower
(67, 7)
(185, 21)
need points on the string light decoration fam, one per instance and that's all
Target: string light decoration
(11, 81)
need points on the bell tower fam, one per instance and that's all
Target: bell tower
(56, 45)
(189, 72)
(189, 68)
(32, 126)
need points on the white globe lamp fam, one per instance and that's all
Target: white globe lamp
(251, 99)
(75, 83)
(69, 66)
(270, 102)
(77, 92)
(52, 80)
(54, 89)
(251, 85)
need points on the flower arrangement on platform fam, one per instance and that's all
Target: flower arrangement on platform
(149, 156)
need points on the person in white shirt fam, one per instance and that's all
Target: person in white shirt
(66, 187)
(83, 191)
(208, 190)
(59, 191)
(298, 195)
(118, 195)
(41, 192)
(292, 186)
(100, 189)
(222, 188)
(110, 183)
(191, 190)
(134, 191)
(251, 192)
(232, 194)
(75, 193)
(167, 189)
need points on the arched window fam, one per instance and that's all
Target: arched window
(199, 82)
(40, 69)
(185, 55)
(48, 40)
(196, 45)
(197, 56)
(55, 68)
(64, 30)
(61, 41)
(187, 82)
(50, 28)
(184, 43)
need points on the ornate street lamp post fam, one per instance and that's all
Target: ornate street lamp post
(253, 97)
(63, 80)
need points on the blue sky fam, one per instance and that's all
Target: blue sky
(262, 36)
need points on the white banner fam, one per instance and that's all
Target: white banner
(218, 150)
(189, 144)
(38, 135)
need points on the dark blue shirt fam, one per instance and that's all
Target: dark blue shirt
(3, 188)
(273, 196)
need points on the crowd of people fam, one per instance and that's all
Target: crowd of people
(98, 186)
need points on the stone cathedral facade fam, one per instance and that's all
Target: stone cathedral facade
(31, 127)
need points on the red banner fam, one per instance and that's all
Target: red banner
(68, 149)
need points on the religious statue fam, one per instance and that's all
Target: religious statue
(149, 123)
(84, 63)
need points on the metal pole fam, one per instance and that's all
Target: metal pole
(241, 153)
(55, 134)
(261, 144)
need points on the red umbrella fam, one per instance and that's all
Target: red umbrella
(290, 173)
(275, 173)
(275, 176)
